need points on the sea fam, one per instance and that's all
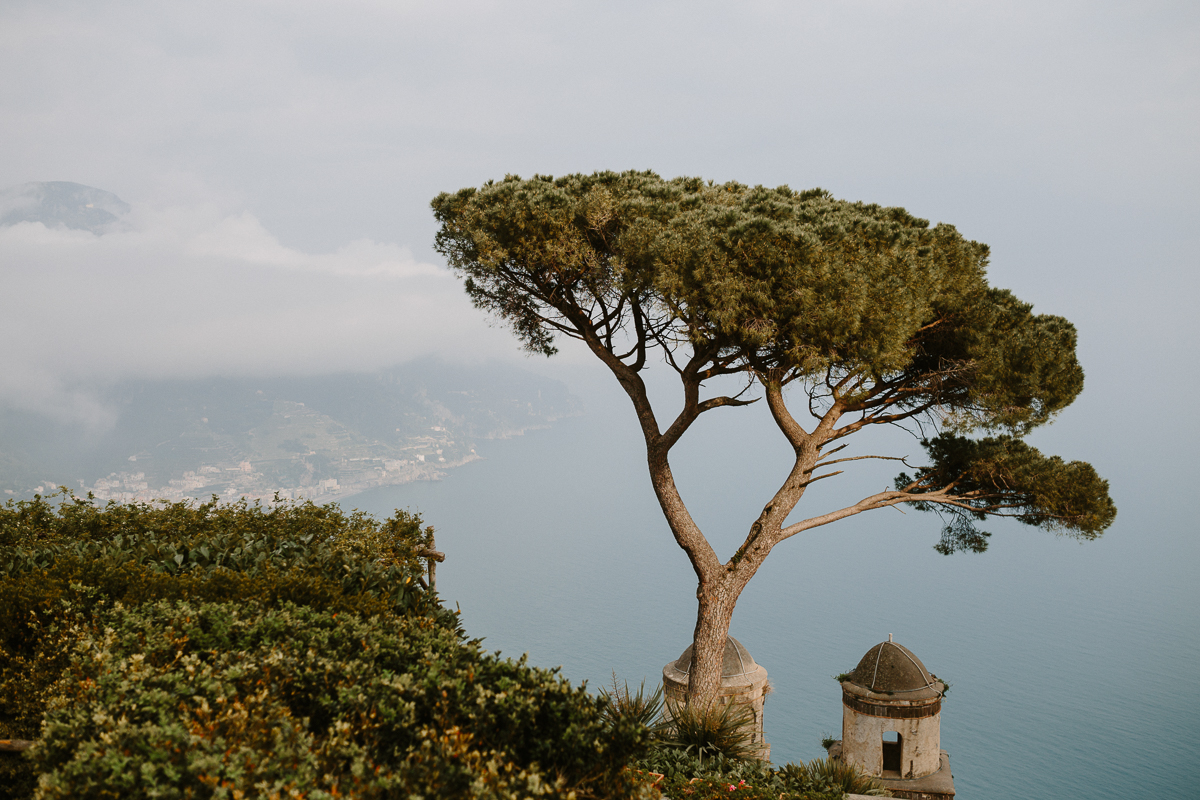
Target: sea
(1074, 667)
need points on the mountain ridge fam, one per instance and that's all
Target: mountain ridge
(61, 204)
(319, 437)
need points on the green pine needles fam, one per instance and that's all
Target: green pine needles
(876, 316)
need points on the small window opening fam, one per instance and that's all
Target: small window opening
(893, 743)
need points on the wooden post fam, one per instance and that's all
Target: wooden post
(432, 556)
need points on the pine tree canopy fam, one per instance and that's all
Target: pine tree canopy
(878, 315)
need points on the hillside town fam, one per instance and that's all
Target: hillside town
(259, 481)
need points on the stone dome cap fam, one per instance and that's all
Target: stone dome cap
(736, 660)
(888, 668)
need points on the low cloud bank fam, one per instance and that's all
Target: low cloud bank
(190, 292)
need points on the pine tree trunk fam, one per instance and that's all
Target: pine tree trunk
(713, 616)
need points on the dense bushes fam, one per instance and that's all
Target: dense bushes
(352, 552)
(241, 651)
(60, 565)
(689, 777)
(86, 554)
(181, 699)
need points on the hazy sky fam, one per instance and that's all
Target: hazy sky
(280, 158)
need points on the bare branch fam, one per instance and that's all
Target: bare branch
(821, 477)
(888, 499)
(640, 336)
(828, 420)
(834, 450)
(857, 425)
(718, 402)
(880, 500)
(902, 460)
(691, 401)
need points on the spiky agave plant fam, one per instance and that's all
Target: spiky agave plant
(724, 729)
(638, 707)
(827, 774)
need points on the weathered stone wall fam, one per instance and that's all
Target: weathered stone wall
(862, 742)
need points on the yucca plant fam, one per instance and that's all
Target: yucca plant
(827, 774)
(723, 729)
(637, 707)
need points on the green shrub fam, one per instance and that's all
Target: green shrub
(180, 538)
(242, 651)
(61, 566)
(688, 777)
(680, 766)
(178, 699)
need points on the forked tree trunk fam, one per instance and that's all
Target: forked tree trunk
(713, 615)
(718, 588)
(719, 584)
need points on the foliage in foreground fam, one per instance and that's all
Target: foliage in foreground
(719, 729)
(622, 706)
(60, 565)
(701, 732)
(690, 777)
(707, 754)
(230, 651)
(196, 700)
(238, 651)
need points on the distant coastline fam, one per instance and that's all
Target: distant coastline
(248, 482)
(320, 438)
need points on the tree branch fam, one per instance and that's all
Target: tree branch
(902, 460)
(718, 402)
(879, 500)
(792, 430)
(876, 419)
(811, 481)
(834, 450)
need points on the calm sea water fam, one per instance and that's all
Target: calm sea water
(1073, 666)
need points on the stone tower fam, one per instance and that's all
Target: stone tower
(891, 723)
(743, 682)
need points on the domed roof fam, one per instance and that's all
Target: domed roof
(888, 668)
(736, 661)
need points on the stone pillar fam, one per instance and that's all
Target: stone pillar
(743, 684)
